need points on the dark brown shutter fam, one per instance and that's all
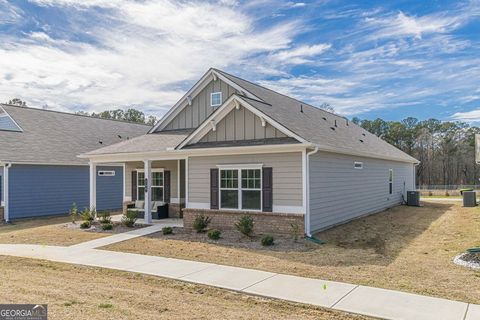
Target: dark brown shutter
(213, 188)
(166, 185)
(267, 188)
(134, 185)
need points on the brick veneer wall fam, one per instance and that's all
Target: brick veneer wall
(264, 222)
(2, 217)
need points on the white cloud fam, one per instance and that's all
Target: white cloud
(145, 60)
(301, 54)
(469, 116)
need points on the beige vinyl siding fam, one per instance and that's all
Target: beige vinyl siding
(241, 124)
(339, 193)
(193, 115)
(170, 165)
(287, 175)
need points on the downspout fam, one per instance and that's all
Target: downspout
(307, 188)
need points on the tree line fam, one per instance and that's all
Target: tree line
(445, 149)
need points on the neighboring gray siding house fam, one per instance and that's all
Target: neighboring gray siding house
(40, 173)
(230, 147)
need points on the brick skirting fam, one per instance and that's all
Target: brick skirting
(2, 217)
(264, 222)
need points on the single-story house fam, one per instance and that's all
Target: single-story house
(40, 173)
(230, 147)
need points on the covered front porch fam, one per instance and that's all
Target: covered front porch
(154, 188)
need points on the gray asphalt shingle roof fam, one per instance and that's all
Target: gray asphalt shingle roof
(315, 124)
(52, 137)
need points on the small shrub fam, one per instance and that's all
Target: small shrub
(107, 226)
(167, 230)
(129, 218)
(105, 218)
(295, 231)
(214, 234)
(267, 240)
(85, 225)
(245, 225)
(201, 223)
(447, 194)
(88, 215)
(105, 305)
(74, 213)
(430, 193)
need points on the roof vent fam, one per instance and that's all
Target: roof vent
(335, 123)
(333, 128)
(324, 118)
(101, 142)
(119, 136)
(361, 140)
(301, 108)
(363, 134)
(346, 122)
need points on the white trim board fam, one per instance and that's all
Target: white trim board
(210, 75)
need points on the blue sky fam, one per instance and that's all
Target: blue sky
(388, 59)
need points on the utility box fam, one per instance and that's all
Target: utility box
(469, 198)
(413, 198)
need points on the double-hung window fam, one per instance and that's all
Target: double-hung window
(241, 189)
(157, 185)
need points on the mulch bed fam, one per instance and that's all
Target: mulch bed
(231, 238)
(118, 227)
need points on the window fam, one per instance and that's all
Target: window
(106, 173)
(241, 189)
(390, 181)
(215, 99)
(157, 185)
(358, 165)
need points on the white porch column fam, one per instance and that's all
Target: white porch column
(148, 191)
(5, 198)
(93, 185)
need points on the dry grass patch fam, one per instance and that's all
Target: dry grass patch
(77, 292)
(404, 248)
(45, 231)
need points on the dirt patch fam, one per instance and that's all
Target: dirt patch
(96, 227)
(79, 292)
(405, 248)
(45, 231)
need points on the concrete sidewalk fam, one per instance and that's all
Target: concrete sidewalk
(369, 301)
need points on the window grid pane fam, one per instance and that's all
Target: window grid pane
(157, 179)
(229, 179)
(141, 178)
(251, 179)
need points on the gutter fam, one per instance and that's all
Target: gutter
(307, 213)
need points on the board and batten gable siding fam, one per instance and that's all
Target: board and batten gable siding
(241, 124)
(340, 193)
(287, 177)
(193, 115)
(170, 165)
(41, 190)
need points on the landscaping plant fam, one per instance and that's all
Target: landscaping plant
(107, 226)
(267, 240)
(214, 234)
(88, 215)
(105, 218)
(245, 225)
(201, 223)
(129, 218)
(85, 225)
(295, 231)
(167, 230)
(74, 213)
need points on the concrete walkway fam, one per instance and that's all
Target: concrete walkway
(156, 227)
(369, 301)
